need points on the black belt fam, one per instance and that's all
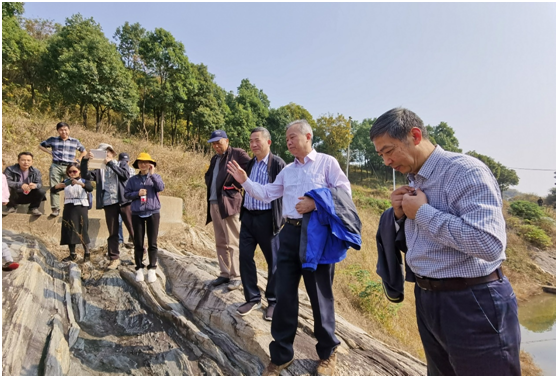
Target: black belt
(61, 163)
(455, 284)
(295, 222)
(257, 212)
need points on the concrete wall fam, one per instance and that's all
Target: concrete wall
(171, 218)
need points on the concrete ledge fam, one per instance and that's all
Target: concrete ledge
(171, 218)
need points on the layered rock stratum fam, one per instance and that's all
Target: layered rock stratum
(82, 319)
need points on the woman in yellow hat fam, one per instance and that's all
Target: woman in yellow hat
(143, 189)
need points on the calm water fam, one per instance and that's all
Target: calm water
(538, 331)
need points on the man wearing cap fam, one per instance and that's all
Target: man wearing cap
(63, 154)
(25, 183)
(224, 200)
(110, 184)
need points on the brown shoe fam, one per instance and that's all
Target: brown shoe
(327, 367)
(273, 369)
(114, 264)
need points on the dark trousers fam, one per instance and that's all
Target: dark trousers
(141, 225)
(34, 198)
(111, 216)
(470, 332)
(318, 286)
(257, 229)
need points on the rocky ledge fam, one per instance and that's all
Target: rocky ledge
(82, 319)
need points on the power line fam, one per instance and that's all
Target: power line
(535, 169)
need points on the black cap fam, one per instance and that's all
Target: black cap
(123, 156)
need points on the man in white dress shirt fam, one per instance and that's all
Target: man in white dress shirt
(310, 170)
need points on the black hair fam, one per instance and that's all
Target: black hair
(24, 153)
(62, 124)
(397, 123)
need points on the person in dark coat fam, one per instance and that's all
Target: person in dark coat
(25, 184)
(75, 222)
(224, 199)
(123, 159)
(110, 180)
(260, 225)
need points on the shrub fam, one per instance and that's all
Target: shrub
(377, 205)
(526, 210)
(513, 222)
(370, 294)
(535, 236)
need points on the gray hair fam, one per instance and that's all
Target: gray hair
(305, 127)
(397, 123)
(263, 130)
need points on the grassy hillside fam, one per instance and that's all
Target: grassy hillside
(358, 293)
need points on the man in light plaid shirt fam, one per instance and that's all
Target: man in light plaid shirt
(451, 213)
(63, 154)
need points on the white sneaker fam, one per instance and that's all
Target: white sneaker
(151, 276)
(139, 275)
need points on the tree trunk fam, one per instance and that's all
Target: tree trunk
(97, 118)
(32, 96)
(162, 125)
(143, 114)
(188, 126)
(128, 128)
(108, 117)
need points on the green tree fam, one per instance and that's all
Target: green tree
(11, 9)
(85, 68)
(276, 123)
(203, 106)
(332, 136)
(444, 136)
(249, 108)
(506, 177)
(550, 200)
(128, 37)
(166, 62)
(14, 39)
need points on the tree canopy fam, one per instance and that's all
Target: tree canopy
(143, 83)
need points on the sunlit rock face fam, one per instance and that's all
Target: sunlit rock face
(82, 319)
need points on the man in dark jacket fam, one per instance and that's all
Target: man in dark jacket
(224, 200)
(261, 223)
(110, 184)
(25, 183)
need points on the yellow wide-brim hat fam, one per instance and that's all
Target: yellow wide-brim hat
(144, 156)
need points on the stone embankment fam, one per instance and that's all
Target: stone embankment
(82, 319)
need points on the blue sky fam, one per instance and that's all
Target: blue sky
(487, 69)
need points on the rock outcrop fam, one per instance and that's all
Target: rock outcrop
(81, 319)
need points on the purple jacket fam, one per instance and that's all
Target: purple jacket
(154, 184)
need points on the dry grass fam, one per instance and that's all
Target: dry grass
(183, 173)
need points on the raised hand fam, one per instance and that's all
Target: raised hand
(238, 173)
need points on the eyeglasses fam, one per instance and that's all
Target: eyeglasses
(73, 171)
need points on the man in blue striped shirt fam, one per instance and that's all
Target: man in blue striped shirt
(261, 223)
(63, 154)
(451, 213)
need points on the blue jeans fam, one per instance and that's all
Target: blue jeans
(470, 332)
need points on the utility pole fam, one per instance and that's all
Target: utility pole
(348, 150)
